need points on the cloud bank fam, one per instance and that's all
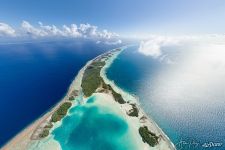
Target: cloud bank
(27, 30)
(153, 47)
(196, 79)
(6, 30)
(159, 47)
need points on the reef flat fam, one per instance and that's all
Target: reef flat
(92, 93)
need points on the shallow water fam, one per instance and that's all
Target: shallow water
(94, 127)
(35, 76)
(186, 98)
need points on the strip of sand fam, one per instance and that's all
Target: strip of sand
(143, 119)
(27, 136)
(22, 140)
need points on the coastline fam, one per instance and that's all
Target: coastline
(150, 122)
(24, 139)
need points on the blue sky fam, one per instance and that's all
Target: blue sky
(125, 17)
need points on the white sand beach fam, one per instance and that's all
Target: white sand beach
(24, 139)
(164, 143)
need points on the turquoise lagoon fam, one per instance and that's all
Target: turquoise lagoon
(94, 126)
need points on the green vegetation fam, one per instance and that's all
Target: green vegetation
(73, 95)
(117, 96)
(91, 78)
(104, 57)
(98, 63)
(90, 82)
(61, 112)
(49, 125)
(134, 111)
(71, 98)
(44, 133)
(148, 136)
(56, 116)
(143, 119)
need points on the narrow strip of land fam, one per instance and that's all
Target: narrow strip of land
(90, 80)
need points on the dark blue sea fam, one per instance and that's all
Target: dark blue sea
(185, 98)
(35, 76)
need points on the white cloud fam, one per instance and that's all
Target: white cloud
(155, 46)
(88, 30)
(27, 30)
(71, 31)
(6, 30)
(50, 30)
(107, 35)
(152, 47)
(110, 41)
(113, 42)
(195, 80)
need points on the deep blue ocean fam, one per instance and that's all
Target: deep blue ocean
(35, 76)
(189, 109)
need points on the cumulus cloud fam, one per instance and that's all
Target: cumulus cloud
(7, 30)
(72, 30)
(51, 31)
(153, 46)
(107, 35)
(88, 30)
(28, 29)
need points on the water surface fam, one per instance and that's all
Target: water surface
(186, 98)
(94, 127)
(35, 76)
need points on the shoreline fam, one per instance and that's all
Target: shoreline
(23, 140)
(133, 98)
